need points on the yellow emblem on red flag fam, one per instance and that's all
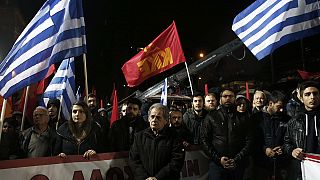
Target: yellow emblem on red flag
(161, 54)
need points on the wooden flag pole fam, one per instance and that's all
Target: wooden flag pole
(185, 63)
(85, 76)
(59, 113)
(24, 108)
(3, 112)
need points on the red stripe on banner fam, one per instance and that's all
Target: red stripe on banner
(7, 164)
(313, 156)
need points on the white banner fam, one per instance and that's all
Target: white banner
(106, 166)
(310, 167)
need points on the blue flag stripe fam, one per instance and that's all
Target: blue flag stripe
(63, 84)
(56, 32)
(272, 24)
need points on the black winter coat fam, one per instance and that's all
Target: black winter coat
(226, 132)
(159, 156)
(67, 144)
(194, 122)
(122, 132)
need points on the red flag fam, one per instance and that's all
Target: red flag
(43, 84)
(9, 110)
(115, 111)
(206, 91)
(247, 91)
(309, 75)
(161, 54)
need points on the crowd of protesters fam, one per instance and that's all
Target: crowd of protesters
(262, 139)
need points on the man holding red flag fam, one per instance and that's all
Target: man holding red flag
(161, 54)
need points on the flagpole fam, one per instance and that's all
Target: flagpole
(3, 112)
(61, 101)
(185, 63)
(24, 108)
(85, 76)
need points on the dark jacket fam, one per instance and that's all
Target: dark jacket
(295, 137)
(122, 132)
(26, 136)
(193, 122)
(66, 143)
(159, 156)
(226, 132)
(274, 128)
(183, 133)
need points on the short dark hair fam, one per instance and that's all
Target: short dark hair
(134, 101)
(227, 89)
(304, 85)
(91, 95)
(276, 96)
(197, 94)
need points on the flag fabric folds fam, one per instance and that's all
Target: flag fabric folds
(164, 94)
(115, 112)
(55, 33)
(63, 85)
(266, 25)
(161, 54)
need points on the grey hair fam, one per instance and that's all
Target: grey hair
(163, 108)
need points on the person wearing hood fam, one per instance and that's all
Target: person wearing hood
(302, 135)
(53, 107)
(226, 139)
(80, 135)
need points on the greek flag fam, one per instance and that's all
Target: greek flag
(164, 94)
(268, 24)
(55, 33)
(63, 85)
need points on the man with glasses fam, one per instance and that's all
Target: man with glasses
(226, 139)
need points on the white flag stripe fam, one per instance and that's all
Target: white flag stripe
(64, 45)
(254, 13)
(266, 25)
(284, 15)
(287, 30)
(263, 18)
(42, 27)
(23, 75)
(60, 85)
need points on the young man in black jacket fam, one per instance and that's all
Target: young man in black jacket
(157, 152)
(302, 133)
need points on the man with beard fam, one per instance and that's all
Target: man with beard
(302, 131)
(92, 103)
(193, 118)
(226, 139)
(210, 102)
(175, 119)
(53, 107)
(122, 131)
(273, 124)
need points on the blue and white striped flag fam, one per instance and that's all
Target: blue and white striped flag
(164, 94)
(57, 32)
(63, 83)
(268, 24)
